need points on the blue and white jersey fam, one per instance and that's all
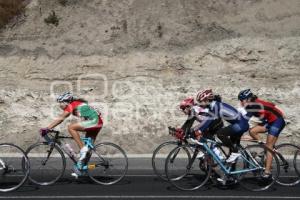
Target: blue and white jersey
(217, 110)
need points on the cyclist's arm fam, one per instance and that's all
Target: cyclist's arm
(206, 122)
(59, 120)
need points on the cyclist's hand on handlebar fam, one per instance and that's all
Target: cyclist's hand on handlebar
(198, 134)
(44, 131)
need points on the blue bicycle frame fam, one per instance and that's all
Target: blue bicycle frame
(253, 164)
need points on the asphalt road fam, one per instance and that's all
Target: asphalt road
(141, 184)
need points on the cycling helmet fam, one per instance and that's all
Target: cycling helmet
(245, 94)
(205, 95)
(65, 97)
(188, 102)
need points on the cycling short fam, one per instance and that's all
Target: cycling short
(237, 129)
(276, 127)
(240, 127)
(92, 125)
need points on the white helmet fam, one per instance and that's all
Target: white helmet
(65, 97)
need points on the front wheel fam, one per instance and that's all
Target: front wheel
(47, 162)
(187, 173)
(108, 164)
(159, 157)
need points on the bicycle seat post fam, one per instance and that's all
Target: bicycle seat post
(88, 142)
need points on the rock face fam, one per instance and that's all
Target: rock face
(136, 60)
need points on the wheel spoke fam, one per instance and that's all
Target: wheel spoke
(46, 168)
(110, 162)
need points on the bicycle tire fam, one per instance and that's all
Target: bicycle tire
(36, 154)
(155, 161)
(187, 177)
(288, 176)
(14, 171)
(104, 160)
(257, 182)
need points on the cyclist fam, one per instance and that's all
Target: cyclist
(91, 123)
(229, 135)
(197, 113)
(272, 121)
(189, 108)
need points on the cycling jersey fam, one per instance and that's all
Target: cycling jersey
(92, 119)
(199, 114)
(193, 115)
(270, 115)
(226, 112)
(264, 110)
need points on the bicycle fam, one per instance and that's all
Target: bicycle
(288, 161)
(106, 163)
(14, 167)
(247, 170)
(161, 152)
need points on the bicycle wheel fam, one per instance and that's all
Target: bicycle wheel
(288, 176)
(47, 162)
(108, 164)
(183, 171)
(14, 167)
(159, 158)
(254, 158)
(296, 161)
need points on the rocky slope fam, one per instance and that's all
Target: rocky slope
(136, 59)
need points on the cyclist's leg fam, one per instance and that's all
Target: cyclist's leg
(235, 131)
(224, 135)
(235, 140)
(271, 140)
(274, 130)
(231, 135)
(92, 129)
(73, 130)
(256, 130)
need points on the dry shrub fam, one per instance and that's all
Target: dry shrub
(9, 9)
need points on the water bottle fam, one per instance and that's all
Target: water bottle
(218, 153)
(70, 150)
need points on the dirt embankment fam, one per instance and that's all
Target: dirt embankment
(136, 59)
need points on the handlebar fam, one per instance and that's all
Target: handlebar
(53, 131)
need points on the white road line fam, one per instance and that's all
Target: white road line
(141, 156)
(144, 175)
(148, 197)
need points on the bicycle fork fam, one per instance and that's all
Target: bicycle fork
(44, 162)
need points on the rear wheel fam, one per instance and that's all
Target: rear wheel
(254, 158)
(14, 167)
(288, 176)
(108, 164)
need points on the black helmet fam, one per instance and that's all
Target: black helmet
(245, 94)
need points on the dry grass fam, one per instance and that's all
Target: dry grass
(9, 9)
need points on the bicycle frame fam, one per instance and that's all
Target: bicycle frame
(278, 154)
(227, 169)
(87, 141)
